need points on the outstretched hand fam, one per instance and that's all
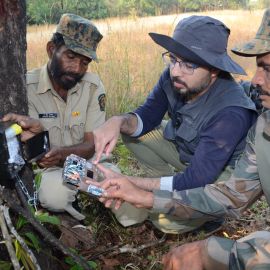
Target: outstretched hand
(186, 257)
(53, 158)
(105, 137)
(119, 188)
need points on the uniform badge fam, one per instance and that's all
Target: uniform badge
(102, 102)
(76, 113)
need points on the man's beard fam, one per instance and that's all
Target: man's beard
(60, 76)
(187, 93)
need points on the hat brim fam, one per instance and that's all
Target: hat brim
(173, 46)
(78, 48)
(200, 57)
(255, 47)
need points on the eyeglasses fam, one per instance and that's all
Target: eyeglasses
(170, 60)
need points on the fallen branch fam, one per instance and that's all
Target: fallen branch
(18, 237)
(8, 197)
(116, 250)
(8, 241)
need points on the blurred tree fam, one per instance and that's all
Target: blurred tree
(49, 11)
(12, 56)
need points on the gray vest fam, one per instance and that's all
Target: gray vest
(188, 119)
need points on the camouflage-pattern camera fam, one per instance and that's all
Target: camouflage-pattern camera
(74, 170)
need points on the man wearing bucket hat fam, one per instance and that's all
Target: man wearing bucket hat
(209, 116)
(69, 102)
(248, 182)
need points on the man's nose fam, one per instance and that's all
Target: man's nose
(76, 66)
(258, 78)
(176, 70)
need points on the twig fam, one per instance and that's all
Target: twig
(47, 236)
(18, 237)
(116, 250)
(8, 241)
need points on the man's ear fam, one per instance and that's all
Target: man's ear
(50, 49)
(214, 73)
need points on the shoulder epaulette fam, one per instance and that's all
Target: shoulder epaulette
(32, 77)
(92, 78)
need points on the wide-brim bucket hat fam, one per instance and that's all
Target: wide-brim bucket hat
(202, 40)
(260, 44)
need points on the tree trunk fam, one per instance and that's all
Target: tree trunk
(13, 57)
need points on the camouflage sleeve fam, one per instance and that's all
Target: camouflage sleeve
(215, 200)
(250, 252)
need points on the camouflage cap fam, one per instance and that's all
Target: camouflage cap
(80, 35)
(261, 43)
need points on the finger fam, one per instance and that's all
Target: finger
(41, 164)
(117, 204)
(102, 200)
(98, 149)
(168, 263)
(104, 170)
(51, 159)
(110, 147)
(108, 203)
(106, 184)
(91, 181)
(13, 117)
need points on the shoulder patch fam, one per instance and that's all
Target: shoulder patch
(92, 78)
(102, 102)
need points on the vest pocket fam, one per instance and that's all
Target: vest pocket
(186, 132)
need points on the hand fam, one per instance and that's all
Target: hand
(106, 136)
(30, 126)
(106, 174)
(123, 189)
(185, 257)
(53, 158)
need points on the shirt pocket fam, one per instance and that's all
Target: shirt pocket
(54, 128)
(77, 129)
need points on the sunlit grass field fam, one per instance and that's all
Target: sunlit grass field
(129, 66)
(130, 62)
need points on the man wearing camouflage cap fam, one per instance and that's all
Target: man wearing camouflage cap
(250, 179)
(69, 102)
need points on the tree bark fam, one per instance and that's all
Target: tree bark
(13, 57)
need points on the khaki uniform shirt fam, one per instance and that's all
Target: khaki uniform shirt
(67, 121)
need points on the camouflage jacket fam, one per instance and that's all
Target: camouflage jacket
(249, 181)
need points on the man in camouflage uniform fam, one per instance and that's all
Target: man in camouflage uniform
(249, 181)
(69, 102)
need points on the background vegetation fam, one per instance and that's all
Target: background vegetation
(129, 66)
(40, 11)
(129, 61)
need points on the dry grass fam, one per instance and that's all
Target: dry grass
(130, 61)
(129, 66)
